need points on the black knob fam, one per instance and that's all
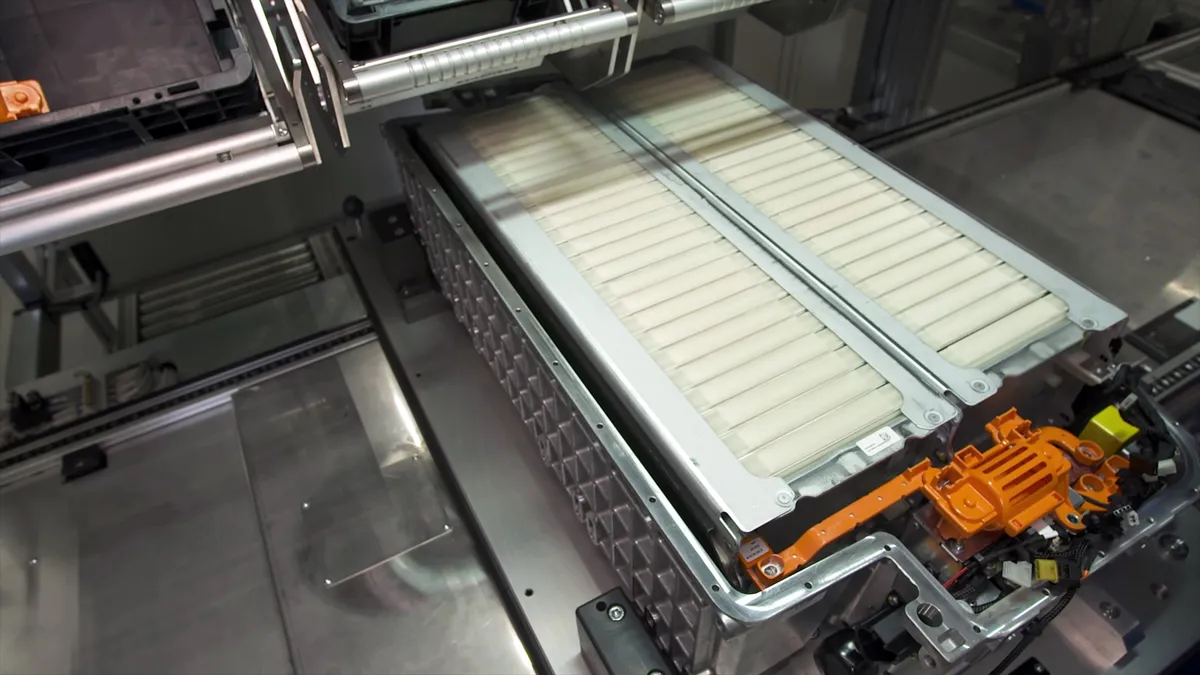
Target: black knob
(353, 207)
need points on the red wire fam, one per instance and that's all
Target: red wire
(951, 580)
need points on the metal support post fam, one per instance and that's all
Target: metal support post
(35, 348)
(899, 60)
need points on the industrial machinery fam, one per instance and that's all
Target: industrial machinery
(800, 405)
(798, 345)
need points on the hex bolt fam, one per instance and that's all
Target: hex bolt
(616, 613)
(771, 569)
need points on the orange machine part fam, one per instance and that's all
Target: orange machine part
(21, 99)
(1025, 476)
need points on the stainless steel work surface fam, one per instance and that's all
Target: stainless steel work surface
(298, 527)
(1101, 189)
(153, 565)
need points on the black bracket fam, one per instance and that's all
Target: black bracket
(614, 641)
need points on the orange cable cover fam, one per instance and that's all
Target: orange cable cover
(1024, 477)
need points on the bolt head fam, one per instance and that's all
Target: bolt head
(616, 613)
(771, 569)
(929, 661)
(979, 385)
(785, 498)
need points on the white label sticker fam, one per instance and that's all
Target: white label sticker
(879, 441)
(753, 549)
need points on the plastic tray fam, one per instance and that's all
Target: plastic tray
(119, 74)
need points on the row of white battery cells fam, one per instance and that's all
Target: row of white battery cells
(956, 297)
(771, 380)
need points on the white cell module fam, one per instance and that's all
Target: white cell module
(775, 384)
(962, 301)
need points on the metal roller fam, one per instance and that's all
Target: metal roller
(675, 11)
(487, 54)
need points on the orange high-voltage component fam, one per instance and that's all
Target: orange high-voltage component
(1024, 477)
(21, 99)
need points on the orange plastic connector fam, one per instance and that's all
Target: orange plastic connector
(1025, 476)
(21, 99)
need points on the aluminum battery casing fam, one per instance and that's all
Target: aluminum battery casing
(697, 617)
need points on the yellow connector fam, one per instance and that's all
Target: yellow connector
(1045, 570)
(1109, 430)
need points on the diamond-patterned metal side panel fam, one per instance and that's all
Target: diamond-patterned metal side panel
(682, 620)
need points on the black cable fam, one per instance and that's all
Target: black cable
(1035, 630)
(984, 605)
(1012, 655)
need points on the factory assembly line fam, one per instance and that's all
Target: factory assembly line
(642, 370)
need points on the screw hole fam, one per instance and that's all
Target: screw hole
(808, 585)
(158, 95)
(599, 426)
(137, 101)
(715, 587)
(418, 374)
(601, 606)
(887, 547)
(528, 592)
(977, 629)
(653, 500)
